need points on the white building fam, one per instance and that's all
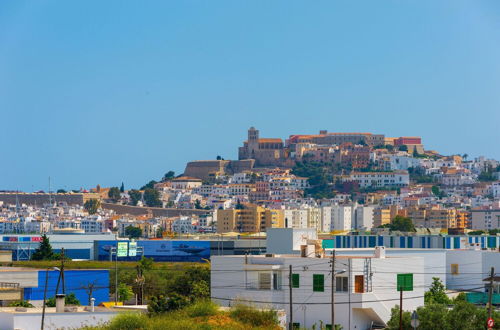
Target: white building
(295, 218)
(379, 179)
(93, 224)
(465, 270)
(365, 288)
(341, 217)
(402, 162)
(363, 217)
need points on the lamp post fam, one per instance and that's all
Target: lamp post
(45, 292)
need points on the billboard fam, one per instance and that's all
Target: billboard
(193, 251)
(159, 250)
(132, 249)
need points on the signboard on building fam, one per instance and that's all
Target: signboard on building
(122, 250)
(405, 282)
(132, 249)
(159, 250)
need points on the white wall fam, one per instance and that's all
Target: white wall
(231, 278)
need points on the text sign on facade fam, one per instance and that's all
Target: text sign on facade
(122, 250)
(405, 282)
(132, 249)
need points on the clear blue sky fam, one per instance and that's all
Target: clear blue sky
(110, 91)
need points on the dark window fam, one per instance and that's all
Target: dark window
(318, 282)
(295, 280)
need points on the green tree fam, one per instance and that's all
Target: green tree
(114, 194)
(476, 232)
(194, 283)
(152, 197)
(133, 232)
(92, 205)
(436, 293)
(433, 316)
(146, 264)
(403, 147)
(197, 205)
(135, 196)
(124, 292)
(400, 223)
(122, 188)
(44, 251)
(161, 304)
(464, 316)
(169, 175)
(149, 185)
(393, 323)
(239, 206)
(61, 191)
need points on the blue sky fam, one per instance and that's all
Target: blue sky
(110, 91)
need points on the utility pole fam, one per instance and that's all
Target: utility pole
(290, 326)
(333, 290)
(401, 308)
(490, 296)
(116, 274)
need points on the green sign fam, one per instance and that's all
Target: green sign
(405, 282)
(132, 249)
(122, 250)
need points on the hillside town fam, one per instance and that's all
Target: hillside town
(333, 182)
(363, 211)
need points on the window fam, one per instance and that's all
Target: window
(295, 280)
(454, 269)
(264, 281)
(341, 284)
(296, 325)
(277, 281)
(318, 282)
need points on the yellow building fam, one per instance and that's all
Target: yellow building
(384, 215)
(250, 219)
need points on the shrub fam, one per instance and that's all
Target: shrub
(202, 308)
(161, 304)
(128, 321)
(70, 299)
(20, 303)
(254, 317)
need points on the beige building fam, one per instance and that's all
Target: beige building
(251, 219)
(384, 215)
(432, 217)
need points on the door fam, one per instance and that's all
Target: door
(359, 284)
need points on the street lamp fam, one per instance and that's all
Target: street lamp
(45, 291)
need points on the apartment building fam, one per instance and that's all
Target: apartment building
(341, 217)
(250, 219)
(379, 179)
(432, 217)
(384, 215)
(363, 217)
(485, 218)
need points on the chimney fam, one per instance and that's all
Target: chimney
(380, 252)
(60, 302)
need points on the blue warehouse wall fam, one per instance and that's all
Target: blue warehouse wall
(75, 281)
